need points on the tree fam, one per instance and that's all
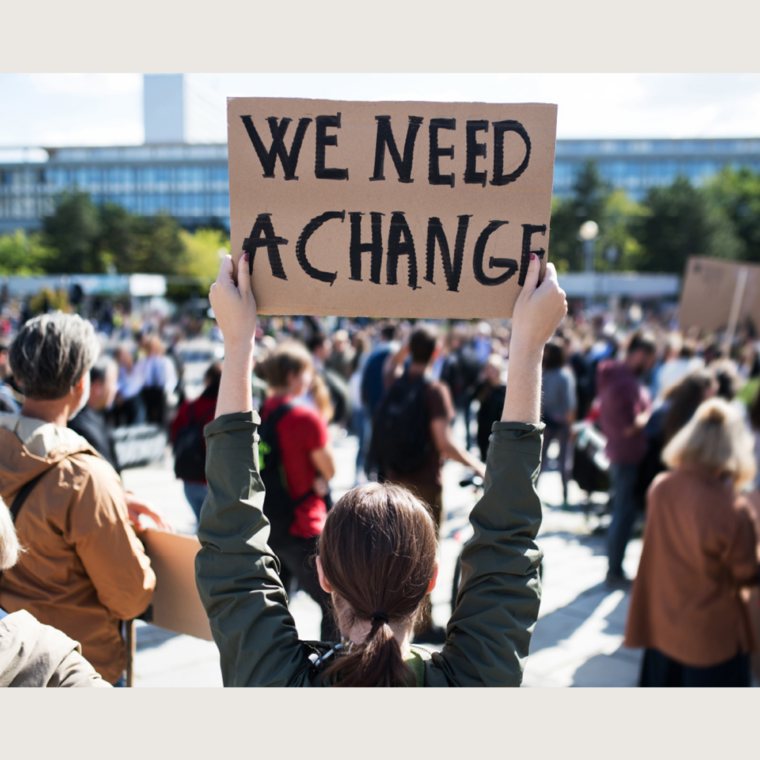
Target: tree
(682, 221)
(202, 253)
(593, 200)
(73, 231)
(118, 240)
(737, 192)
(23, 254)
(159, 248)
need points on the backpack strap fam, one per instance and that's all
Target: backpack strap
(23, 494)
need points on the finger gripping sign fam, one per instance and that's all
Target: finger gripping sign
(389, 209)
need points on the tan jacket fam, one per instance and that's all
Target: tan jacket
(84, 568)
(700, 550)
(32, 654)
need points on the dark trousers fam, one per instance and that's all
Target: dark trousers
(624, 505)
(560, 432)
(295, 555)
(658, 670)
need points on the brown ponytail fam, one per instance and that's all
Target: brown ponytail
(378, 553)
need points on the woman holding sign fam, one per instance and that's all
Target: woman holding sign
(377, 549)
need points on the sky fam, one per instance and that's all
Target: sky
(106, 109)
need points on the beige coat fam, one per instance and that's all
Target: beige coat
(32, 654)
(700, 552)
(84, 569)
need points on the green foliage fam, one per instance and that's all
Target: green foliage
(593, 200)
(202, 258)
(49, 300)
(737, 192)
(23, 254)
(682, 221)
(73, 230)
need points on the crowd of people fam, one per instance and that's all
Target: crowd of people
(679, 414)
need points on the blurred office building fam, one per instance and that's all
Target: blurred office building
(175, 171)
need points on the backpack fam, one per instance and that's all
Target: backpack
(279, 505)
(190, 449)
(401, 439)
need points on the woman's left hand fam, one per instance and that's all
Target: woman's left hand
(234, 305)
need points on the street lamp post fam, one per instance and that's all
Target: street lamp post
(588, 234)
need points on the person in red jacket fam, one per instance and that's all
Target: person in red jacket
(198, 412)
(624, 408)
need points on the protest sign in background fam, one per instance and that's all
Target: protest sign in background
(389, 209)
(720, 295)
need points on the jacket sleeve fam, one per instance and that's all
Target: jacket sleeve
(488, 635)
(106, 544)
(236, 572)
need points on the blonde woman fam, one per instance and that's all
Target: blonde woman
(700, 551)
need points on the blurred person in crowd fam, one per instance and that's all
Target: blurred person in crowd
(85, 569)
(558, 407)
(33, 654)
(90, 423)
(307, 464)
(159, 379)
(358, 424)
(9, 401)
(462, 368)
(680, 360)
(700, 551)
(129, 407)
(754, 420)
(373, 384)
(341, 360)
(490, 396)
(624, 407)
(336, 384)
(675, 410)
(412, 438)
(186, 433)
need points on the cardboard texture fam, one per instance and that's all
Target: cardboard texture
(176, 604)
(709, 290)
(360, 240)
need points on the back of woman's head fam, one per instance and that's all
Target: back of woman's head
(377, 551)
(684, 399)
(290, 357)
(717, 441)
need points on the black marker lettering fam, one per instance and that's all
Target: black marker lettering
(375, 248)
(434, 174)
(263, 226)
(385, 137)
(528, 231)
(308, 231)
(396, 248)
(268, 160)
(475, 149)
(499, 129)
(324, 140)
(451, 270)
(477, 260)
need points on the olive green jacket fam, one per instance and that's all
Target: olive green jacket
(488, 635)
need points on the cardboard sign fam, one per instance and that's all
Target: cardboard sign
(389, 209)
(176, 604)
(715, 290)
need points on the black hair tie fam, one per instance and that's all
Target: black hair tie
(379, 616)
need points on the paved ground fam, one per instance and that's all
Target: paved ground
(577, 640)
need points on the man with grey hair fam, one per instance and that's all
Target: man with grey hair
(84, 570)
(33, 654)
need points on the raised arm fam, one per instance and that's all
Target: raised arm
(236, 572)
(488, 635)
